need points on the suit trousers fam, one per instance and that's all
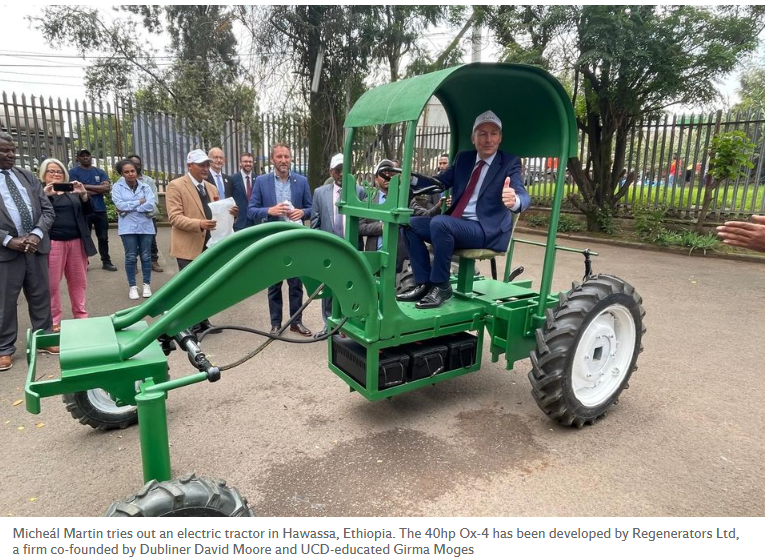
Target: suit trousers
(99, 222)
(275, 300)
(446, 234)
(68, 259)
(27, 271)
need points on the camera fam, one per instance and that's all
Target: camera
(63, 187)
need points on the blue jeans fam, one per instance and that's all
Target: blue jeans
(137, 244)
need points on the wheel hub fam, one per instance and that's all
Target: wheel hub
(603, 355)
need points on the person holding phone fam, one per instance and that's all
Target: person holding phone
(70, 242)
(135, 203)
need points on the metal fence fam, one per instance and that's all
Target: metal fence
(669, 155)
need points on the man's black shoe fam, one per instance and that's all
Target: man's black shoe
(275, 329)
(300, 328)
(434, 298)
(414, 294)
(109, 266)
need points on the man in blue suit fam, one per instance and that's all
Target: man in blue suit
(486, 190)
(239, 188)
(282, 195)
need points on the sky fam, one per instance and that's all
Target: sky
(29, 66)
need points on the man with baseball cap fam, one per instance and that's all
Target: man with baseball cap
(97, 183)
(325, 215)
(188, 201)
(487, 190)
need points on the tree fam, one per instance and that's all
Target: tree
(751, 88)
(397, 32)
(628, 62)
(324, 51)
(201, 80)
(731, 157)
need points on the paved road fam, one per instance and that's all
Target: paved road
(685, 440)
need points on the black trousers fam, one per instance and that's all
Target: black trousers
(99, 222)
(154, 248)
(275, 300)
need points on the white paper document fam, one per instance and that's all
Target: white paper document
(225, 220)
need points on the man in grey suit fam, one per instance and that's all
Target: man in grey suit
(26, 216)
(325, 215)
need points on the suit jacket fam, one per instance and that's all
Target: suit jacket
(372, 229)
(264, 196)
(238, 190)
(323, 209)
(185, 212)
(495, 218)
(42, 215)
(226, 184)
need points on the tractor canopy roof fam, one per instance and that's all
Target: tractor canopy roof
(536, 112)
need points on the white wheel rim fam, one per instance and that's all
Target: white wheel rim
(603, 355)
(101, 400)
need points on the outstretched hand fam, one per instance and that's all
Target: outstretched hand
(749, 235)
(508, 194)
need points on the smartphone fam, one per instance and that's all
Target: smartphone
(63, 187)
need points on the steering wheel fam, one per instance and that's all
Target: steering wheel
(386, 172)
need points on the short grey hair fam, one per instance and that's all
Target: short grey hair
(44, 169)
(7, 137)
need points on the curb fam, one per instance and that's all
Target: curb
(647, 247)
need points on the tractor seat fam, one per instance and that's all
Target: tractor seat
(478, 254)
(466, 272)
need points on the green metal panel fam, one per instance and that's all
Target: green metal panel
(527, 99)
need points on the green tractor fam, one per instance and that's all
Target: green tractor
(583, 343)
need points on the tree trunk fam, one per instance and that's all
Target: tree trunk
(317, 115)
(709, 194)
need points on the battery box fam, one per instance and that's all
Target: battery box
(409, 362)
(462, 350)
(351, 357)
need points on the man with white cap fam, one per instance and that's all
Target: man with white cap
(486, 190)
(325, 215)
(188, 201)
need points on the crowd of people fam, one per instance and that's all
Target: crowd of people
(46, 223)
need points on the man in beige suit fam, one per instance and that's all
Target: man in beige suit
(188, 201)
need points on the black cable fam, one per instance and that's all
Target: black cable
(272, 337)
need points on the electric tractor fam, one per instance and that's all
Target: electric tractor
(583, 343)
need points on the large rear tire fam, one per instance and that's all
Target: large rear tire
(96, 408)
(587, 350)
(190, 496)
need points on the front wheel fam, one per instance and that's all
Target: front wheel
(190, 496)
(587, 350)
(97, 409)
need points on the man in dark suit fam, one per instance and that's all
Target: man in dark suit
(217, 177)
(240, 188)
(486, 190)
(282, 195)
(26, 216)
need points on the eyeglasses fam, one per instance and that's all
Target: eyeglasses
(54, 172)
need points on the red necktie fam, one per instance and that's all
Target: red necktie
(249, 188)
(465, 198)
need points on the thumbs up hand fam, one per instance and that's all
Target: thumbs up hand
(508, 194)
